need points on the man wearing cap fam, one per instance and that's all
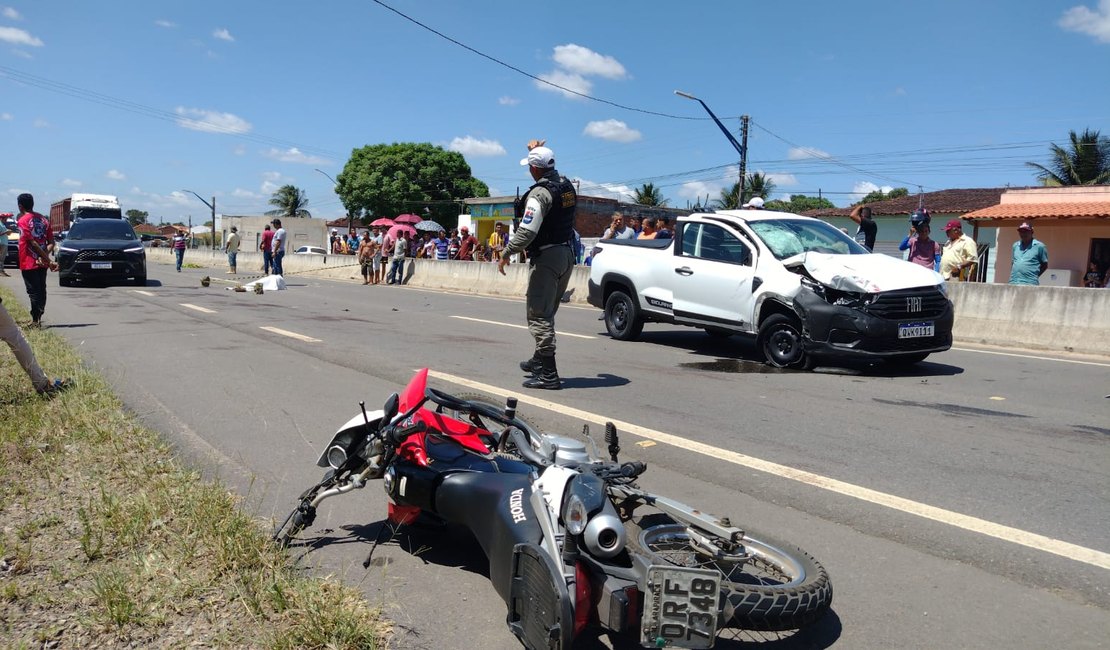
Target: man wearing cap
(756, 203)
(1030, 257)
(959, 254)
(467, 244)
(546, 232)
(232, 249)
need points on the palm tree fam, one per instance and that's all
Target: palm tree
(290, 202)
(649, 194)
(1088, 162)
(757, 185)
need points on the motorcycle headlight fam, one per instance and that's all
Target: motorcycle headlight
(575, 517)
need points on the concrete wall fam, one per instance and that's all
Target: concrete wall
(1046, 318)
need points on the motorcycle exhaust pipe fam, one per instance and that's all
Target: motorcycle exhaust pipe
(604, 536)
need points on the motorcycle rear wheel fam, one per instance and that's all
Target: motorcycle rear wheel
(781, 587)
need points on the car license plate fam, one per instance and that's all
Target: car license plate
(916, 330)
(680, 607)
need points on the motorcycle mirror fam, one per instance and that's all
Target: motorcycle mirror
(390, 408)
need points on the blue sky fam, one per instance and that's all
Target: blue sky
(232, 99)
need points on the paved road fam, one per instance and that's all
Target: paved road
(963, 503)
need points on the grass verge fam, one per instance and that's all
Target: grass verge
(106, 541)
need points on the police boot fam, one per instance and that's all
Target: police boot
(531, 366)
(546, 377)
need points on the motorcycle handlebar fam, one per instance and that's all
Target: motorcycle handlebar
(398, 434)
(524, 448)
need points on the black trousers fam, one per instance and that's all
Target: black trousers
(35, 283)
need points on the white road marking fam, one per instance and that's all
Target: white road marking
(203, 310)
(925, 511)
(145, 293)
(1030, 356)
(522, 327)
(292, 335)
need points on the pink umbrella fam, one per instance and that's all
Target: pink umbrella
(407, 218)
(382, 222)
(405, 228)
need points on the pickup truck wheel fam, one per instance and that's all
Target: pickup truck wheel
(622, 317)
(780, 340)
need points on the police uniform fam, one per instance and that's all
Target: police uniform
(546, 232)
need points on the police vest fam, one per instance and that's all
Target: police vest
(558, 224)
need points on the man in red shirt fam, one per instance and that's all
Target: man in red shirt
(264, 246)
(467, 244)
(35, 241)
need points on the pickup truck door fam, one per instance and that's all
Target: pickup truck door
(712, 277)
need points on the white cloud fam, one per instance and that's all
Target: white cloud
(1094, 23)
(40, 123)
(223, 35)
(471, 146)
(10, 13)
(584, 61)
(240, 193)
(802, 153)
(239, 150)
(6, 117)
(567, 80)
(115, 175)
(508, 101)
(863, 188)
(271, 181)
(17, 36)
(211, 121)
(781, 180)
(23, 55)
(698, 190)
(900, 91)
(295, 155)
(69, 182)
(165, 23)
(612, 130)
(174, 199)
(606, 190)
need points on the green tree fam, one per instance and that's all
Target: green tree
(649, 194)
(136, 217)
(385, 180)
(757, 184)
(289, 201)
(799, 203)
(879, 195)
(1086, 163)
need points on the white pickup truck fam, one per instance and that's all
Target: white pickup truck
(804, 289)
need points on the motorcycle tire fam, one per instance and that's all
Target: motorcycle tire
(780, 588)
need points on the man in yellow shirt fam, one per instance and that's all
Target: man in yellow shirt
(497, 240)
(960, 253)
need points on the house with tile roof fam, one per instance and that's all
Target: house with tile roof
(1072, 222)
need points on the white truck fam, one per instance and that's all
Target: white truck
(802, 288)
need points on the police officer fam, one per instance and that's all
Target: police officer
(546, 233)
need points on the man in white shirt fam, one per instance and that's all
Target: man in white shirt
(278, 246)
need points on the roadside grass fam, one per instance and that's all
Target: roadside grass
(107, 541)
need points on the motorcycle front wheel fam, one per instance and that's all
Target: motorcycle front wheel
(775, 586)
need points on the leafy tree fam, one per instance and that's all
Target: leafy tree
(136, 217)
(289, 201)
(757, 185)
(1087, 163)
(390, 179)
(649, 194)
(799, 203)
(879, 195)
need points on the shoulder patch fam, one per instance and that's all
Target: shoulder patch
(528, 214)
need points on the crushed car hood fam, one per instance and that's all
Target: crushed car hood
(873, 273)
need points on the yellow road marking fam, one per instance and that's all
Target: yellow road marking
(646, 443)
(203, 310)
(925, 511)
(522, 327)
(292, 335)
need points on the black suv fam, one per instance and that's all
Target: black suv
(100, 250)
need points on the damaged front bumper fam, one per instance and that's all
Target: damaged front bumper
(876, 326)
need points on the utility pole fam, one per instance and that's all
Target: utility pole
(743, 156)
(211, 205)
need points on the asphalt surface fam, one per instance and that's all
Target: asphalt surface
(961, 503)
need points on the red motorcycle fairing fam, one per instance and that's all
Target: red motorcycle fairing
(463, 433)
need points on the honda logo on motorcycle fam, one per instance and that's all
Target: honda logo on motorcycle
(913, 304)
(516, 505)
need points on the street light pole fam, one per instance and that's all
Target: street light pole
(211, 206)
(741, 149)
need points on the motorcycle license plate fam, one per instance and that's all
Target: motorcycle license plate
(916, 330)
(102, 265)
(680, 607)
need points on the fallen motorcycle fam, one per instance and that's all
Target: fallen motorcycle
(572, 541)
